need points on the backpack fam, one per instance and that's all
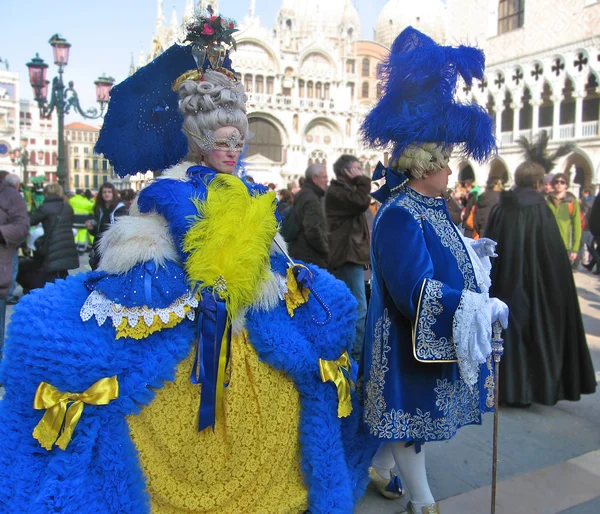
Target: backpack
(582, 217)
(290, 228)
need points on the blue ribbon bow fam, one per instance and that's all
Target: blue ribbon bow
(211, 327)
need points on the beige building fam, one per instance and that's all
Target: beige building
(310, 79)
(543, 69)
(85, 168)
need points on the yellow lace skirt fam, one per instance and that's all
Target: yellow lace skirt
(249, 464)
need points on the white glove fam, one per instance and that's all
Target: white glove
(498, 312)
(484, 247)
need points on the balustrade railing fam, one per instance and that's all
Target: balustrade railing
(506, 138)
(589, 129)
(566, 131)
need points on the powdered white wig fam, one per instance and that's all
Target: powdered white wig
(420, 158)
(206, 106)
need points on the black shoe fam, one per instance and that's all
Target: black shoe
(13, 300)
(589, 266)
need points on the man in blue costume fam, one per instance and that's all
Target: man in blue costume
(427, 363)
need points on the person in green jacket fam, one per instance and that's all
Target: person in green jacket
(84, 210)
(565, 208)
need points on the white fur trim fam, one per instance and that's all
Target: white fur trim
(177, 172)
(133, 240)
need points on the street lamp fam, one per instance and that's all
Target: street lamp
(63, 98)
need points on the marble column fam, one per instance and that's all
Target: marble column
(556, 99)
(535, 117)
(516, 107)
(578, 112)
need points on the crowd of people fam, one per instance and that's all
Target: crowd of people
(233, 353)
(62, 227)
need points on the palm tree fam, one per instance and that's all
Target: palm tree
(537, 151)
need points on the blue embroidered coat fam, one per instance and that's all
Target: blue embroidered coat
(420, 269)
(99, 472)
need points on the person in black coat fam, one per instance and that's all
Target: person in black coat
(57, 254)
(593, 225)
(546, 356)
(486, 203)
(311, 245)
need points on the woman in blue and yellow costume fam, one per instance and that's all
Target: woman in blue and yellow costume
(427, 362)
(199, 370)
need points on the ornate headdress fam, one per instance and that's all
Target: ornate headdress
(142, 127)
(211, 39)
(418, 109)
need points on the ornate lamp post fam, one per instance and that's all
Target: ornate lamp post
(63, 98)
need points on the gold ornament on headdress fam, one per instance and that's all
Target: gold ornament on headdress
(208, 34)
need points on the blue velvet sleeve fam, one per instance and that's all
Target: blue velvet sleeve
(405, 263)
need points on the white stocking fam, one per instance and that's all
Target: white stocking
(412, 469)
(383, 461)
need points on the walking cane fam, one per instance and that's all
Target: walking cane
(497, 352)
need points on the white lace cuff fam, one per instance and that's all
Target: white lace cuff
(472, 334)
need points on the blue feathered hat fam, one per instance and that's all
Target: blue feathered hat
(142, 127)
(418, 104)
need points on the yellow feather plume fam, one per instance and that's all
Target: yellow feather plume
(230, 240)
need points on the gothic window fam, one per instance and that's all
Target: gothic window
(318, 91)
(47, 159)
(260, 84)
(511, 15)
(365, 90)
(248, 82)
(351, 88)
(350, 66)
(266, 140)
(326, 91)
(270, 84)
(301, 88)
(309, 89)
(366, 67)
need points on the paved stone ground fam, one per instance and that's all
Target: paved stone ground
(549, 457)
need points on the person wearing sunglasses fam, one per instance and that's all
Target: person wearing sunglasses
(565, 208)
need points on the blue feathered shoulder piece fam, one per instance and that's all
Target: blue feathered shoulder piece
(419, 105)
(142, 127)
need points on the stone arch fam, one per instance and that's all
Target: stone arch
(498, 169)
(323, 121)
(267, 138)
(252, 41)
(318, 51)
(465, 172)
(578, 166)
(285, 139)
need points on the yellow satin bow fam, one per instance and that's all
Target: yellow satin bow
(60, 418)
(333, 371)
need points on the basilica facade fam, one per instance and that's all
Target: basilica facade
(310, 78)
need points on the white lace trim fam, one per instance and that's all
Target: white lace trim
(481, 266)
(99, 306)
(472, 334)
